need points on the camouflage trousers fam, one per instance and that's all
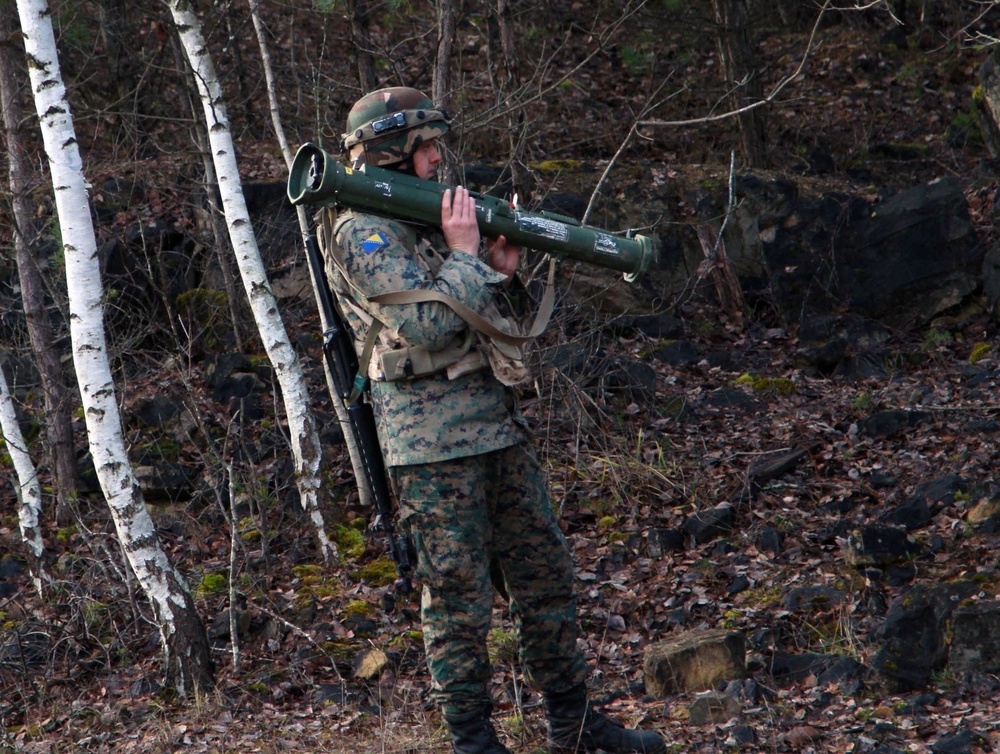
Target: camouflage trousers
(473, 522)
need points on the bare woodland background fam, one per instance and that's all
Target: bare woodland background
(598, 104)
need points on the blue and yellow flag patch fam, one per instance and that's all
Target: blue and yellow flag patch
(375, 242)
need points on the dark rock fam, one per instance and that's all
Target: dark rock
(911, 514)
(975, 637)
(704, 526)
(713, 708)
(488, 179)
(156, 411)
(678, 354)
(919, 704)
(11, 567)
(770, 540)
(846, 673)
(564, 203)
(221, 625)
(739, 584)
(727, 397)
(982, 426)
(743, 736)
(775, 465)
(218, 369)
(892, 422)
(897, 575)
(963, 741)
(722, 360)
(902, 261)
(165, 482)
(942, 490)
(633, 380)
(144, 686)
(880, 481)
(661, 541)
(877, 545)
(914, 643)
(653, 325)
(788, 669)
(825, 357)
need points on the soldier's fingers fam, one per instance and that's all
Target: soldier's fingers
(446, 204)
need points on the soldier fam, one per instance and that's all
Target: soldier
(472, 495)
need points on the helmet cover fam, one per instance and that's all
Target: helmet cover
(387, 126)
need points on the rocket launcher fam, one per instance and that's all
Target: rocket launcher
(316, 177)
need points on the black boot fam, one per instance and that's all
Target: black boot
(575, 726)
(473, 733)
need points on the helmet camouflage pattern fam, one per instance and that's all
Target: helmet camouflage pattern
(386, 127)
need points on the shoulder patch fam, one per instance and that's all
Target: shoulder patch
(375, 242)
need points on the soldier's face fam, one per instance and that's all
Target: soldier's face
(426, 159)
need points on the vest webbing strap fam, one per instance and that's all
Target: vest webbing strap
(473, 318)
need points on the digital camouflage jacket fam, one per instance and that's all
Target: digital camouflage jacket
(433, 417)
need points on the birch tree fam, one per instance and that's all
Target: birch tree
(365, 494)
(29, 492)
(56, 395)
(301, 423)
(184, 641)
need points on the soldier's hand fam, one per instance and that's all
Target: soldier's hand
(458, 220)
(502, 256)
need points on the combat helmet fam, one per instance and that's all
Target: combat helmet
(385, 127)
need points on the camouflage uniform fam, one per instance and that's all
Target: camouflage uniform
(471, 491)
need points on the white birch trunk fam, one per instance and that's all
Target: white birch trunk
(185, 644)
(301, 423)
(365, 494)
(29, 492)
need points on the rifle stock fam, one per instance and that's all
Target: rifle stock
(342, 360)
(317, 178)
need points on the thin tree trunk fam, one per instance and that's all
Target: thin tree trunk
(740, 68)
(301, 422)
(357, 464)
(59, 448)
(441, 86)
(727, 284)
(29, 493)
(188, 661)
(506, 72)
(361, 18)
(441, 77)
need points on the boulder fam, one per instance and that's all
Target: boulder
(901, 260)
(975, 638)
(914, 636)
(694, 661)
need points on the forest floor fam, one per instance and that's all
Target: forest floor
(618, 471)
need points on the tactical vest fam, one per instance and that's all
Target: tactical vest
(491, 341)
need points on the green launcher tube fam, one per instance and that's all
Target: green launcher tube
(316, 177)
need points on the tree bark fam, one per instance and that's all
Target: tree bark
(185, 644)
(441, 76)
(29, 493)
(727, 284)
(363, 51)
(59, 448)
(506, 73)
(301, 423)
(365, 494)
(739, 66)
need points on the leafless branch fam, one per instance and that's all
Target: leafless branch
(779, 87)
